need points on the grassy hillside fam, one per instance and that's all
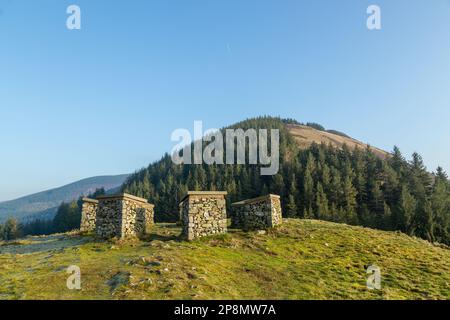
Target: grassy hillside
(303, 259)
(44, 204)
(305, 136)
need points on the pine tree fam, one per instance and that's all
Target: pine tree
(291, 207)
(68, 217)
(308, 213)
(440, 205)
(424, 224)
(406, 208)
(376, 205)
(308, 184)
(386, 223)
(322, 203)
(10, 230)
(326, 178)
(349, 200)
(397, 161)
(277, 185)
(336, 188)
(420, 179)
(441, 175)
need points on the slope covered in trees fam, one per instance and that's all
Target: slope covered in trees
(346, 185)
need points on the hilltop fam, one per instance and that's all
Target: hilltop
(302, 259)
(305, 136)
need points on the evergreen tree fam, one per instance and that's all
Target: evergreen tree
(291, 207)
(67, 218)
(424, 224)
(10, 230)
(440, 206)
(406, 208)
(386, 222)
(322, 203)
(308, 185)
(349, 201)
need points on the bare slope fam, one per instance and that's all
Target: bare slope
(303, 259)
(305, 136)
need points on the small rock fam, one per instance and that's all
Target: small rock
(153, 263)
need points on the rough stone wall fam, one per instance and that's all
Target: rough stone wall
(123, 216)
(88, 215)
(203, 214)
(109, 218)
(257, 214)
(136, 218)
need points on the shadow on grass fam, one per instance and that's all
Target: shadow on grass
(163, 238)
(164, 232)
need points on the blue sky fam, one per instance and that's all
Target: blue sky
(105, 99)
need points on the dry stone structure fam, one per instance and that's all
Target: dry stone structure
(121, 216)
(203, 213)
(257, 214)
(88, 215)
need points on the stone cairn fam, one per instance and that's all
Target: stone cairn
(257, 214)
(203, 213)
(121, 216)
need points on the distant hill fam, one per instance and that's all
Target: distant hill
(43, 205)
(301, 259)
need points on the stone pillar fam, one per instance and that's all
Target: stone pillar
(203, 213)
(123, 216)
(88, 215)
(258, 213)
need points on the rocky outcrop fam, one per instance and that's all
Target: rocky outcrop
(88, 215)
(203, 213)
(118, 216)
(257, 214)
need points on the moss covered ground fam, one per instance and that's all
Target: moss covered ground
(302, 259)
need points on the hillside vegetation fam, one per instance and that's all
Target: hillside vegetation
(322, 176)
(302, 259)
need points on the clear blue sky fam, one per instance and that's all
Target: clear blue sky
(104, 100)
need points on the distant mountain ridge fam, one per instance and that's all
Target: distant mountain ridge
(43, 205)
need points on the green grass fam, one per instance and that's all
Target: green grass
(303, 259)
